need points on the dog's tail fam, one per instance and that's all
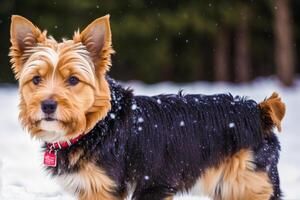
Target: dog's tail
(272, 111)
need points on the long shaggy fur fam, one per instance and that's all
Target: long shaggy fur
(163, 144)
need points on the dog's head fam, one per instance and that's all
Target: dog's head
(63, 90)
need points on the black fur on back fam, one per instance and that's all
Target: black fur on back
(163, 143)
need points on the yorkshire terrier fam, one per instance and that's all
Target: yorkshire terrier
(104, 143)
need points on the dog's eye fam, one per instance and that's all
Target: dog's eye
(36, 80)
(73, 80)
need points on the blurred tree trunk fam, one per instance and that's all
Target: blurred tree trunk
(221, 71)
(242, 59)
(284, 51)
(167, 73)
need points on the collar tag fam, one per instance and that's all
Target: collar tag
(50, 158)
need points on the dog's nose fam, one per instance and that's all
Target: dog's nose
(49, 106)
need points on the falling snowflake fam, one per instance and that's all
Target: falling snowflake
(182, 123)
(231, 125)
(112, 115)
(268, 168)
(140, 119)
(133, 107)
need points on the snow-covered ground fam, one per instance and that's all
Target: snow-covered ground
(20, 157)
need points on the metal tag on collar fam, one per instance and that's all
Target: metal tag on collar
(50, 158)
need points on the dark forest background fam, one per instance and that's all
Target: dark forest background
(181, 41)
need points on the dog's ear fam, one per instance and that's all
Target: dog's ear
(23, 33)
(23, 36)
(97, 39)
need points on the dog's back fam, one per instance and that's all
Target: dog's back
(222, 124)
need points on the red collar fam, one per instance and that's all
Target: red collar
(50, 155)
(64, 144)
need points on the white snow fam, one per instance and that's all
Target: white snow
(0, 176)
(22, 172)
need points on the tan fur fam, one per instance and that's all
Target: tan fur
(87, 56)
(100, 106)
(74, 156)
(101, 58)
(273, 108)
(236, 179)
(98, 185)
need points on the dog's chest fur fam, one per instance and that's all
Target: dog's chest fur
(87, 180)
(72, 182)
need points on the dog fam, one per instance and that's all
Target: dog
(102, 142)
